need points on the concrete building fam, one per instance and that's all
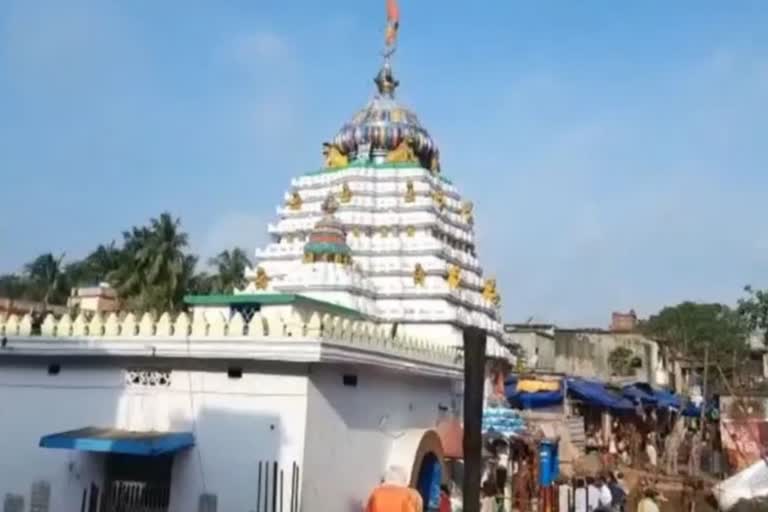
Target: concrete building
(199, 415)
(101, 297)
(588, 352)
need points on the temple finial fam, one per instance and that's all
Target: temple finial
(384, 80)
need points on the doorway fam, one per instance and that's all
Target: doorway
(137, 483)
(430, 478)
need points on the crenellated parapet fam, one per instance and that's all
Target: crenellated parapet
(326, 329)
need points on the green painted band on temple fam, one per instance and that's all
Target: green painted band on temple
(270, 299)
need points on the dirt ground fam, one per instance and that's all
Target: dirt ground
(670, 488)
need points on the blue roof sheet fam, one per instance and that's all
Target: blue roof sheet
(109, 440)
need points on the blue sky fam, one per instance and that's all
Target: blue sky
(616, 151)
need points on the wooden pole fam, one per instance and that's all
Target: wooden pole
(704, 388)
(474, 384)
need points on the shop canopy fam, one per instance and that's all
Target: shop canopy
(645, 394)
(110, 440)
(596, 394)
(691, 410)
(668, 399)
(548, 393)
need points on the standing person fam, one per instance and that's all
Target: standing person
(694, 459)
(672, 452)
(606, 499)
(580, 496)
(613, 450)
(445, 499)
(523, 486)
(488, 500)
(650, 452)
(393, 494)
(618, 493)
(564, 495)
(648, 503)
(593, 495)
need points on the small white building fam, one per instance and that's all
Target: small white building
(225, 415)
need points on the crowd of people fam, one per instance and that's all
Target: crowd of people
(654, 447)
(606, 492)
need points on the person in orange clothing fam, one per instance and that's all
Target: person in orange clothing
(393, 495)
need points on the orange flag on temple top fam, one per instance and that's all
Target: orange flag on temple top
(393, 21)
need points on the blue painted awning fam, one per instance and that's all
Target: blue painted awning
(110, 440)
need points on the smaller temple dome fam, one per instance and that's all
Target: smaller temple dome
(328, 240)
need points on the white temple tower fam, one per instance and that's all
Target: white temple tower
(380, 230)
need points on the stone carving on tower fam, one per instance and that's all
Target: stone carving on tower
(295, 202)
(419, 275)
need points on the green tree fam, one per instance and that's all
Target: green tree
(96, 267)
(15, 286)
(754, 310)
(621, 361)
(688, 327)
(47, 278)
(154, 269)
(230, 270)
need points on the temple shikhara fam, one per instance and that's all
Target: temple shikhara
(338, 362)
(381, 230)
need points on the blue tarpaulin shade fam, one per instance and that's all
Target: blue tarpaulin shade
(666, 398)
(110, 440)
(640, 393)
(691, 410)
(647, 395)
(596, 394)
(525, 400)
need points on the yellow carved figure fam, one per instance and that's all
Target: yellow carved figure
(434, 163)
(410, 192)
(411, 231)
(439, 198)
(262, 279)
(454, 277)
(346, 194)
(403, 153)
(419, 275)
(466, 210)
(295, 202)
(490, 293)
(334, 157)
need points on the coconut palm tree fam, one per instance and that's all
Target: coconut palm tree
(230, 269)
(46, 276)
(154, 268)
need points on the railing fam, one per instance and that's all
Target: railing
(211, 327)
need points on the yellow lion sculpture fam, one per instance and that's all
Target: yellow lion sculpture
(334, 157)
(403, 153)
(490, 293)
